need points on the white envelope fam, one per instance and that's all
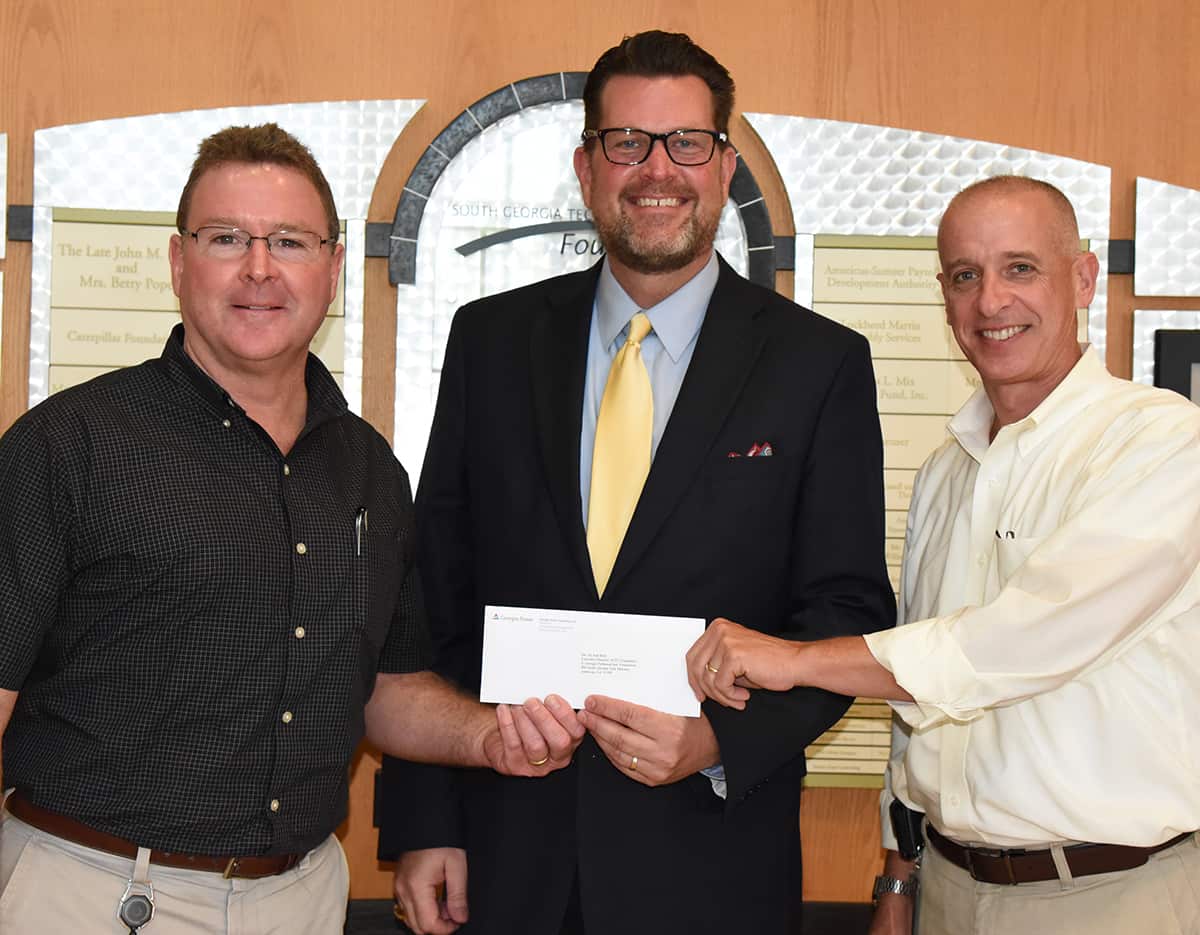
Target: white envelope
(531, 652)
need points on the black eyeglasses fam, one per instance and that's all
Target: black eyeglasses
(231, 243)
(627, 146)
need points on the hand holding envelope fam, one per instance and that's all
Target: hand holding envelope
(649, 746)
(535, 738)
(629, 671)
(729, 660)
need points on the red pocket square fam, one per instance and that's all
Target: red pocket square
(757, 450)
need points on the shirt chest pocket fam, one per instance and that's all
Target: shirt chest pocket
(381, 561)
(1012, 552)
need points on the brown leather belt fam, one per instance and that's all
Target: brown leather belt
(1017, 865)
(250, 868)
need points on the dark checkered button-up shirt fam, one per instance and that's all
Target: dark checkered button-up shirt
(194, 621)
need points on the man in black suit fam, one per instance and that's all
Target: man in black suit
(761, 501)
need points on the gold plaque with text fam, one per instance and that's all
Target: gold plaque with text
(898, 331)
(923, 387)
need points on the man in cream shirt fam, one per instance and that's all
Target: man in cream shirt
(1048, 678)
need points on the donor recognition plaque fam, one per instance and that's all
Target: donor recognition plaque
(111, 298)
(856, 748)
(885, 287)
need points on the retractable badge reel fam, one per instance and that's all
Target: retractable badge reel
(136, 907)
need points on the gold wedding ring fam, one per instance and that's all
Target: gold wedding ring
(711, 668)
(633, 765)
(541, 762)
(398, 912)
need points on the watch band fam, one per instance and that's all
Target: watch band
(886, 884)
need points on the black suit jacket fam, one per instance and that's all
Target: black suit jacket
(790, 544)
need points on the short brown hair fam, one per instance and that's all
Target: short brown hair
(268, 143)
(656, 54)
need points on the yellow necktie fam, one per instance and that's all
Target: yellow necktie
(621, 456)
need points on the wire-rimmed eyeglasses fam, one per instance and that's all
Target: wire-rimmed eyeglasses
(231, 243)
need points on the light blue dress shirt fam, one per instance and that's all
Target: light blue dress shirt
(666, 350)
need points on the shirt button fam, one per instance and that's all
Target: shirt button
(226, 423)
(274, 805)
(287, 717)
(954, 800)
(286, 470)
(301, 548)
(982, 560)
(299, 633)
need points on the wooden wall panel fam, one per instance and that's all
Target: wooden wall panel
(1105, 81)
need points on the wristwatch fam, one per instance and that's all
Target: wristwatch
(886, 884)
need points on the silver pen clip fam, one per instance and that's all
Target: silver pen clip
(360, 527)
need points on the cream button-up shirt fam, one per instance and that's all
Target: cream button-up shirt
(1051, 596)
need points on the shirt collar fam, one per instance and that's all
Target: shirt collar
(676, 319)
(972, 424)
(325, 399)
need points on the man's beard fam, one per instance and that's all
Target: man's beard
(649, 254)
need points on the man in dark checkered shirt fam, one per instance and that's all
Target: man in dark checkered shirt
(208, 595)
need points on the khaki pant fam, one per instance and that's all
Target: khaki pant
(48, 884)
(1162, 897)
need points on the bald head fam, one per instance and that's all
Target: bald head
(1063, 228)
(1013, 276)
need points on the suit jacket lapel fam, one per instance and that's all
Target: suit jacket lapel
(558, 362)
(729, 342)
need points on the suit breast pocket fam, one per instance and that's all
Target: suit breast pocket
(755, 495)
(746, 470)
